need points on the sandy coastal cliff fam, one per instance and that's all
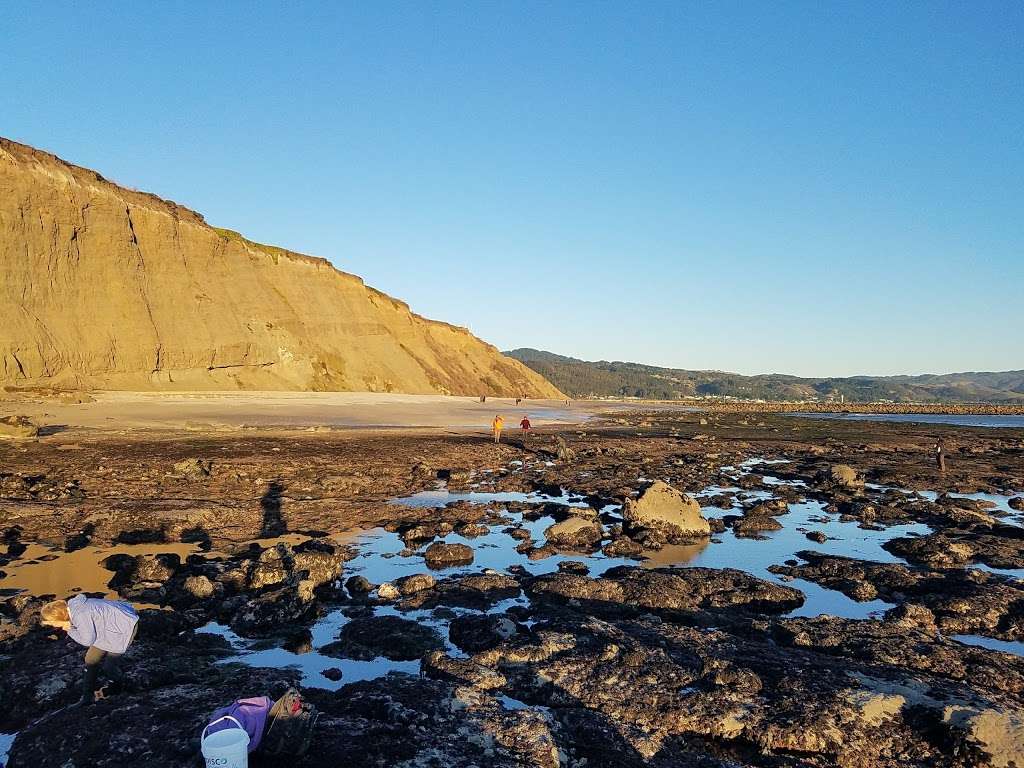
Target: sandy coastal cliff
(108, 288)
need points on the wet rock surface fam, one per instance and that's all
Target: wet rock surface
(617, 645)
(1002, 548)
(441, 555)
(961, 601)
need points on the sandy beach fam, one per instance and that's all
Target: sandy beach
(227, 411)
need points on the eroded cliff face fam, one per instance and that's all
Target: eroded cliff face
(106, 288)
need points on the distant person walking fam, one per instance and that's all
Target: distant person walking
(525, 426)
(105, 627)
(940, 455)
(497, 425)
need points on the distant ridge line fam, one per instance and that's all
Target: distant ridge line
(603, 378)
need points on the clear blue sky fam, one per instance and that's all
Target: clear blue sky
(806, 187)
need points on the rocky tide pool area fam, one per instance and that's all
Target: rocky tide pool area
(657, 590)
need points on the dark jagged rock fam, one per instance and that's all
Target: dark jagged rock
(277, 610)
(142, 577)
(752, 524)
(623, 547)
(406, 720)
(358, 586)
(389, 636)
(480, 632)
(462, 671)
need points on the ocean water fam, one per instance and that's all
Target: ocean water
(956, 419)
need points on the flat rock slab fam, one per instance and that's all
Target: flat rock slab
(629, 588)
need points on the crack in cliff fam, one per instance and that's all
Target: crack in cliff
(17, 362)
(157, 363)
(240, 365)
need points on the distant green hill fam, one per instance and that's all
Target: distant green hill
(581, 378)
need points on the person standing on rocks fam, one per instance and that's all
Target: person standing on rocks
(105, 627)
(940, 455)
(497, 425)
(526, 427)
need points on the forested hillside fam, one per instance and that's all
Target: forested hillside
(581, 378)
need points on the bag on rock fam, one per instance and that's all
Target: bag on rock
(290, 725)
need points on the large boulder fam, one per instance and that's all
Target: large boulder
(844, 476)
(664, 509)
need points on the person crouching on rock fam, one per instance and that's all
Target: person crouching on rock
(105, 627)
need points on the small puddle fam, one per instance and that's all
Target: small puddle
(311, 663)
(1008, 646)
(6, 742)
(754, 555)
(68, 573)
(43, 570)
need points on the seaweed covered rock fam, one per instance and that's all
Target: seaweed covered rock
(392, 637)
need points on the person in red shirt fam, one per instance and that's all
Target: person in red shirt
(525, 424)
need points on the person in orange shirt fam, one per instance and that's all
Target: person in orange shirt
(496, 426)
